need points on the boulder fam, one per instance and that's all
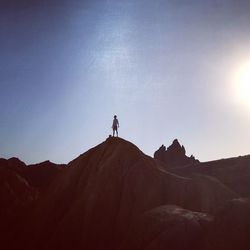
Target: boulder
(168, 227)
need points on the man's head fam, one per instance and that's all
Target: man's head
(115, 116)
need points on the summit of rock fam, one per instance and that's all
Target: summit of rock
(111, 146)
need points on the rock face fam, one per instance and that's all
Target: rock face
(174, 155)
(111, 197)
(100, 194)
(95, 201)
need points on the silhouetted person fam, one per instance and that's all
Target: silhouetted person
(115, 126)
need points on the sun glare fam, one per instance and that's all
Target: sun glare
(241, 85)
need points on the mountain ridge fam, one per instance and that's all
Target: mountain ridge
(105, 193)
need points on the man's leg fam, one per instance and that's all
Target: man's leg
(113, 132)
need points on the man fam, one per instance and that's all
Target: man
(115, 126)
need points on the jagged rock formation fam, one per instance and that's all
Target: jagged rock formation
(115, 197)
(174, 155)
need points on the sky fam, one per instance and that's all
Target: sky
(167, 68)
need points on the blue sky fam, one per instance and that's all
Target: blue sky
(164, 67)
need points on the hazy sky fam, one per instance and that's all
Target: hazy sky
(166, 68)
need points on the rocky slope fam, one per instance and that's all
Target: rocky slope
(232, 172)
(115, 197)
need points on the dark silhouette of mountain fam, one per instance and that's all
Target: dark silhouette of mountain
(42, 174)
(37, 175)
(13, 164)
(174, 155)
(232, 172)
(116, 197)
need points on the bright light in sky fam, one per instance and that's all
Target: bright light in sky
(241, 85)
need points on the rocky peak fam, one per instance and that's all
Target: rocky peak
(174, 155)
